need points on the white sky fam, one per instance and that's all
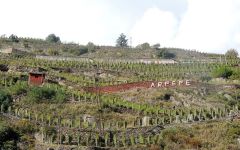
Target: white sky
(204, 25)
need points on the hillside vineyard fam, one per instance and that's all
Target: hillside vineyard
(109, 99)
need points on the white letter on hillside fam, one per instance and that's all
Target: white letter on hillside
(152, 85)
(166, 83)
(180, 82)
(188, 83)
(159, 84)
(173, 83)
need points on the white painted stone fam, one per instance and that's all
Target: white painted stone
(88, 118)
(146, 121)
(177, 119)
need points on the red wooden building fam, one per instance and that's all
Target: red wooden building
(36, 78)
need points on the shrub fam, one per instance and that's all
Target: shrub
(5, 99)
(79, 51)
(50, 131)
(232, 103)
(38, 93)
(232, 54)
(182, 138)
(18, 88)
(60, 97)
(144, 46)
(8, 137)
(91, 47)
(205, 78)
(233, 131)
(53, 52)
(166, 95)
(163, 53)
(46, 94)
(223, 72)
(25, 127)
(52, 38)
(235, 75)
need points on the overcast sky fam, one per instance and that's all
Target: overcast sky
(204, 25)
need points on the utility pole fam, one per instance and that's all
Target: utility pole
(130, 42)
(225, 59)
(96, 82)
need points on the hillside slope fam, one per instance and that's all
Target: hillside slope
(42, 47)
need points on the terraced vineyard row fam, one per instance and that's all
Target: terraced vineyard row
(75, 131)
(132, 72)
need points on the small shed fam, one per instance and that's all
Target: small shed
(36, 77)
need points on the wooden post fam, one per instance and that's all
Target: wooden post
(106, 139)
(2, 108)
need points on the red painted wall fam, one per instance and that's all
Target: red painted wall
(120, 87)
(36, 79)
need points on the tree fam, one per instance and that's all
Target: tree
(90, 47)
(163, 53)
(231, 53)
(156, 46)
(52, 38)
(14, 38)
(144, 46)
(122, 41)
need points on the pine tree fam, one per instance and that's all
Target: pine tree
(122, 41)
